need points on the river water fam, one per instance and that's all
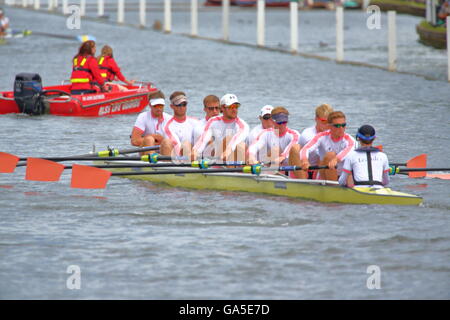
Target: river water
(136, 240)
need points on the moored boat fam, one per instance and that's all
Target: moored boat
(273, 184)
(31, 98)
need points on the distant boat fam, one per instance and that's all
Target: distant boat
(249, 3)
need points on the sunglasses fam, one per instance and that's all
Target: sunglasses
(282, 122)
(233, 106)
(267, 117)
(158, 106)
(213, 108)
(183, 104)
(339, 125)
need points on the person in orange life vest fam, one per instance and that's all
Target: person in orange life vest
(109, 69)
(86, 76)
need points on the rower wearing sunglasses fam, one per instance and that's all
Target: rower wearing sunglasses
(309, 133)
(366, 166)
(333, 146)
(228, 132)
(275, 143)
(265, 118)
(179, 130)
(211, 107)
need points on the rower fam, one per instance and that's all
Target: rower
(333, 146)
(149, 125)
(366, 166)
(110, 71)
(211, 107)
(228, 131)
(4, 23)
(276, 143)
(265, 118)
(179, 130)
(86, 77)
(309, 133)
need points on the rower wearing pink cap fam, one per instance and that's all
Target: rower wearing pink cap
(179, 130)
(229, 132)
(149, 125)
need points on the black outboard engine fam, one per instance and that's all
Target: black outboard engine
(27, 93)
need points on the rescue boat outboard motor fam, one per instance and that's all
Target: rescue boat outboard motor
(27, 93)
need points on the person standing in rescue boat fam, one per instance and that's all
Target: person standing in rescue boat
(86, 76)
(109, 69)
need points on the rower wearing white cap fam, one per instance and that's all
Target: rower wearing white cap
(179, 130)
(265, 118)
(279, 141)
(229, 132)
(366, 166)
(149, 125)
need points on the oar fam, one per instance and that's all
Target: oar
(8, 162)
(445, 176)
(87, 177)
(419, 162)
(79, 38)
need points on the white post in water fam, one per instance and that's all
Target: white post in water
(101, 8)
(392, 41)
(24, 3)
(365, 4)
(339, 34)
(226, 19)
(194, 17)
(167, 16)
(82, 8)
(260, 17)
(142, 8)
(120, 11)
(37, 4)
(294, 25)
(448, 46)
(65, 7)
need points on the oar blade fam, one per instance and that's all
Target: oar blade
(445, 176)
(417, 162)
(8, 162)
(43, 170)
(86, 177)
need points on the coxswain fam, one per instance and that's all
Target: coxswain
(275, 143)
(228, 132)
(148, 129)
(4, 23)
(333, 146)
(366, 166)
(86, 77)
(179, 136)
(109, 69)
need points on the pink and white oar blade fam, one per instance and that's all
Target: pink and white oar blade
(86, 177)
(417, 162)
(445, 176)
(43, 170)
(8, 162)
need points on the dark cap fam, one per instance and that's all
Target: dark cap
(366, 133)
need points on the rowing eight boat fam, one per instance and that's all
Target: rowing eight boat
(273, 184)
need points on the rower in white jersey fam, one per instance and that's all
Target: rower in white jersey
(265, 118)
(228, 132)
(211, 107)
(366, 166)
(179, 129)
(149, 125)
(309, 133)
(275, 144)
(333, 146)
